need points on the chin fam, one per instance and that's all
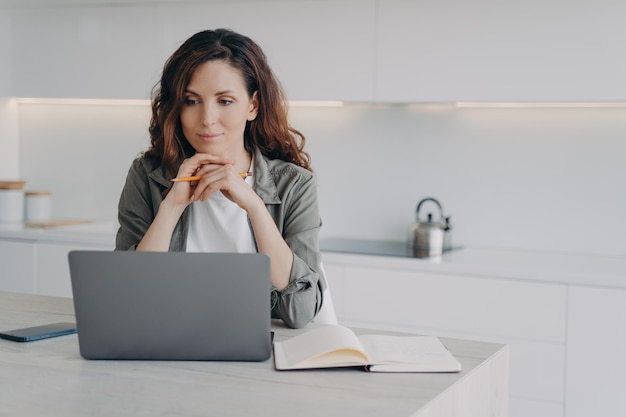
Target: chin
(210, 149)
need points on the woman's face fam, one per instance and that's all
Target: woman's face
(216, 110)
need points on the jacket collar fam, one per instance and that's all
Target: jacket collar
(264, 184)
(159, 175)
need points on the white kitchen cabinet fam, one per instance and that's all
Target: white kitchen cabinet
(17, 266)
(318, 50)
(529, 317)
(523, 407)
(483, 50)
(119, 51)
(561, 316)
(53, 273)
(84, 52)
(463, 304)
(6, 47)
(361, 51)
(418, 296)
(35, 260)
(596, 343)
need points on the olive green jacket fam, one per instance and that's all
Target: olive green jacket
(290, 195)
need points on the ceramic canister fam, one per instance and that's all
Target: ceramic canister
(38, 206)
(11, 201)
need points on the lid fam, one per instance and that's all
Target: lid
(429, 223)
(37, 192)
(12, 185)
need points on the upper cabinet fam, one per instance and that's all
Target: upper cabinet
(317, 50)
(486, 50)
(352, 50)
(85, 52)
(5, 52)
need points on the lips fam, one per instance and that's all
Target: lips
(209, 137)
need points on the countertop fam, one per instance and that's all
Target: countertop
(528, 265)
(537, 266)
(99, 233)
(48, 377)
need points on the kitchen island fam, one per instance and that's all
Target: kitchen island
(551, 308)
(49, 377)
(560, 313)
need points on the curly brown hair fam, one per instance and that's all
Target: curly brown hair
(270, 131)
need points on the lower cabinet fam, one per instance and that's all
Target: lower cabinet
(17, 266)
(596, 355)
(530, 317)
(38, 268)
(53, 272)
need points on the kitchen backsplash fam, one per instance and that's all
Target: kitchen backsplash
(537, 179)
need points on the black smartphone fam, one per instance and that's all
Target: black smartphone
(39, 332)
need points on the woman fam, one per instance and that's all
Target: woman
(219, 114)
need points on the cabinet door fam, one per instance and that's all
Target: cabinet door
(319, 51)
(529, 317)
(472, 305)
(53, 272)
(484, 50)
(596, 342)
(6, 46)
(17, 266)
(88, 52)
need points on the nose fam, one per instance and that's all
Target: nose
(209, 115)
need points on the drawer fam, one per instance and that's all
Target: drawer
(488, 307)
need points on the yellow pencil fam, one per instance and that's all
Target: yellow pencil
(199, 177)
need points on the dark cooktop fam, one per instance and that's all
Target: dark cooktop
(370, 247)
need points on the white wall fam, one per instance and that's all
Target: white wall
(546, 179)
(9, 139)
(5, 52)
(81, 153)
(526, 178)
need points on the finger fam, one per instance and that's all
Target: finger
(207, 158)
(211, 168)
(225, 180)
(192, 166)
(205, 188)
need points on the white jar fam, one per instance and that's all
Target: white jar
(11, 201)
(38, 206)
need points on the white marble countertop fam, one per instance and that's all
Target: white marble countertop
(88, 233)
(536, 266)
(48, 377)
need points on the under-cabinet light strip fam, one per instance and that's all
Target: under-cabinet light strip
(89, 101)
(137, 102)
(538, 105)
(338, 103)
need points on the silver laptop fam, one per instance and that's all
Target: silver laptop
(172, 305)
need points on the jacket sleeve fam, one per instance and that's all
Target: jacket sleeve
(299, 303)
(135, 208)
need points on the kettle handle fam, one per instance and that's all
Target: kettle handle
(417, 212)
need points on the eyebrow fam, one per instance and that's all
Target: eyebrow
(217, 93)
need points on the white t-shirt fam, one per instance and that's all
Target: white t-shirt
(219, 225)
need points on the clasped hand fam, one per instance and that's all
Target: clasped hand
(218, 174)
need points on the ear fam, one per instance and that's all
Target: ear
(254, 107)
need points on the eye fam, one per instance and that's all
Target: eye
(225, 101)
(190, 101)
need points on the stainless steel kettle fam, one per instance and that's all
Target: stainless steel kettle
(431, 237)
